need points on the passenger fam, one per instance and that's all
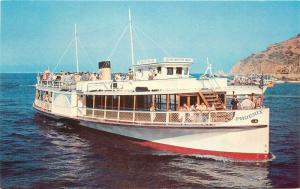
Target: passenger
(202, 107)
(213, 107)
(152, 113)
(253, 98)
(92, 77)
(186, 108)
(54, 77)
(150, 75)
(62, 77)
(181, 114)
(247, 103)
(258, 103)
(77, 77)
(46, 75)
(234, 102)
(130, 75)
(193, 107)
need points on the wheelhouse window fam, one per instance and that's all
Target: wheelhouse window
(169, 71)
(179, 70)
(159, 70)
(186, 71)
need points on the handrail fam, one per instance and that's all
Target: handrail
(157, 117)
(166, 118)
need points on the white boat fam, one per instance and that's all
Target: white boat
(153, 106)
(293, 81)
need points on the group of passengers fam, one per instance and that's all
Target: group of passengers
(123, 77)
(250, 102)
(68, 77)
(197, 107)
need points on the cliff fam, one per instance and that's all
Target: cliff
(281, 60)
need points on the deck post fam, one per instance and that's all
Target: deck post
(168, 102)
(153, 100)
(105, 100)
(119, 101)
(225, 103)
(198, 99)
(189, 101)
(93, 115)
(167, 117)
(112, 102)
(178, 102)
(124, 102)
(134, 104)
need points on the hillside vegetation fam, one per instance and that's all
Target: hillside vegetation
(281, 60)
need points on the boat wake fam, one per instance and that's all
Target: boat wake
(224, 159)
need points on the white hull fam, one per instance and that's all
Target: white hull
(237, 142)
(228, 142)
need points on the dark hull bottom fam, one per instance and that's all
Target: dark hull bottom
(190, 151)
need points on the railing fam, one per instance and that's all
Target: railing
(55, 84)
(171, 117)
(107, 85)
(43, 105)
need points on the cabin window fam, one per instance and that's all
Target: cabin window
(159, 70)
(186, 70)
(179, 70)
(169, 71)
(89, 101)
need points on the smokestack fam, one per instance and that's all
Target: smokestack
(105, 70)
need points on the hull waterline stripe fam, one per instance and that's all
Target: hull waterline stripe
(190, 151)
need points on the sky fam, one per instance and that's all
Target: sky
(36, 35)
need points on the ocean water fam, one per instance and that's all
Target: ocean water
(38, 152)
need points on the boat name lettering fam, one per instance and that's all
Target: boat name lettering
(249, 116)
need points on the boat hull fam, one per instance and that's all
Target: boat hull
(242, 143)
(238, 142)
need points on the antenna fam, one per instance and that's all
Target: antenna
(208, 70)
(76, 48)
(209, 67)
(131, 39)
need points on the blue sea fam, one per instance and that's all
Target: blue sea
(39, 152)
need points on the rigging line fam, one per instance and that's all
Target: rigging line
(61, 57)
(90, 61)
(139, 42)
(156, 44)
(118, 42)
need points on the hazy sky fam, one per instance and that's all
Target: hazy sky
(34, 35)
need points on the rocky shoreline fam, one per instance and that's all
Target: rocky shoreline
(280, 60)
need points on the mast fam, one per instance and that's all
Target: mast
(131, 39)
(76, 48)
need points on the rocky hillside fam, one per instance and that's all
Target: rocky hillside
(282, 60)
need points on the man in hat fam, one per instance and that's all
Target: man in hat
(247, 103)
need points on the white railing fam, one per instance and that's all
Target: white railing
(166, 118)
(106, 85)
(55, 84)
(43, 105)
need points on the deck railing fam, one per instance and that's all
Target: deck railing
(103, 85)
(156, 117)
(56, 84)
